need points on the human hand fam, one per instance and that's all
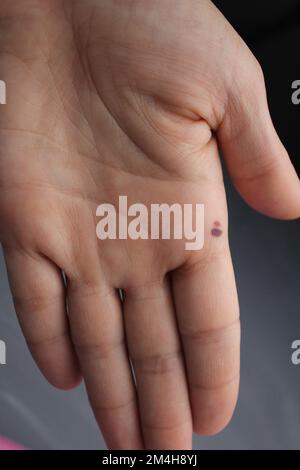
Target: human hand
(119, 97)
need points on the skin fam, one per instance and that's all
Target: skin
(112, 97)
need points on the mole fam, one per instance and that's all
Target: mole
(216, 231)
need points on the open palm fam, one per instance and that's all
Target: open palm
(109, 98)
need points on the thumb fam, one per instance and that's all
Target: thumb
(257, 161)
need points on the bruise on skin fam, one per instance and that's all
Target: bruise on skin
(216, 231)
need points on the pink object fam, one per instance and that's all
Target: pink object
(6, 444)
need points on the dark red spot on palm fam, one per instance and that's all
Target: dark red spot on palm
(216, 231)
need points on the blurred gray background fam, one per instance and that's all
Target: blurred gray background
(267, 262)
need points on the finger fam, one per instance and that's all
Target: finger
(39, 298)
(156, 356)
(208, 319)
(97, 332)
(257, 161)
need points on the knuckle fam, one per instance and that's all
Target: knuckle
(253, 81)
(213, 334)
(36, 302)
(175, 425)
(97, 351)
(100, 406)
(255, 72)
(158, 364)
(211, 253)
(50, 340)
